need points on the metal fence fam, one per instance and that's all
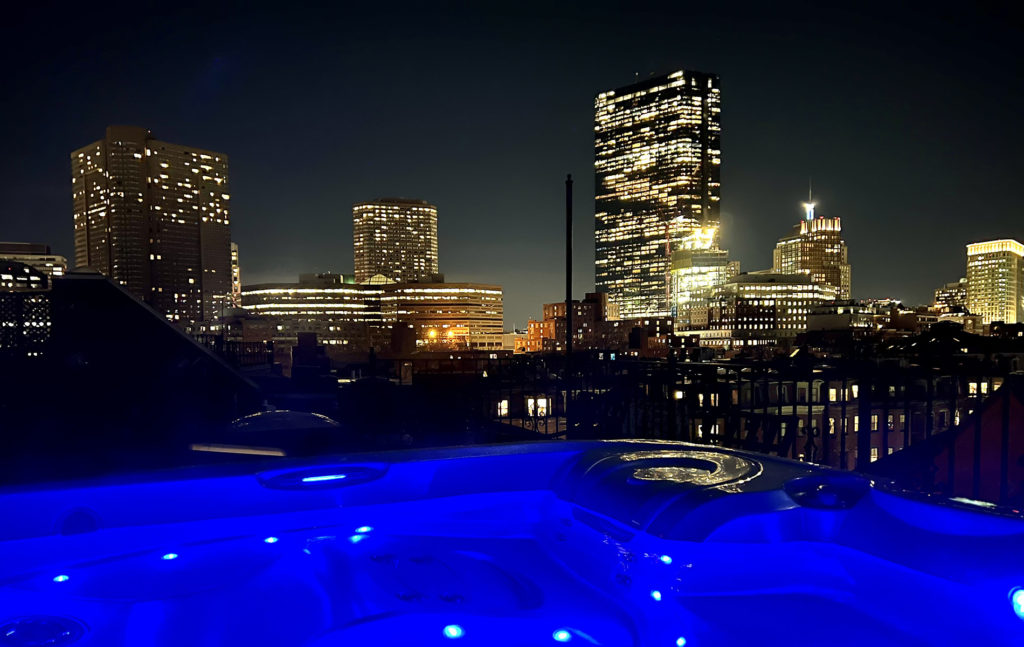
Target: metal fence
(844, 414)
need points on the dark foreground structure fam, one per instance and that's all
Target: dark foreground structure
(104, 382)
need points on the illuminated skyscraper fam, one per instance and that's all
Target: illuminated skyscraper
(395, 238)
(657, 157)
(816, 248)
(154, 217)
(995, 280)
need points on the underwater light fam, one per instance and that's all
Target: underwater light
(562, 636)
(355, 539)
(324, 477)
(1017, 600)
(453, 631)
(271, 540)
(61, 578)
(364, 529)
(656, 595)
(680, 642)
(169, 556)
(666, 559)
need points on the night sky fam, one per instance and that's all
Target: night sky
(909, 122)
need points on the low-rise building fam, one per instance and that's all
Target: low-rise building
(446, 315)
(25, 310)
(758, 309)
(333, 306)
(952, 295)
(35, 255)
(351, 317)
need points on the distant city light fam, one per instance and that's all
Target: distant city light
(325, 477)
(453, 631)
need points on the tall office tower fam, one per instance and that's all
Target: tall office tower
(154, 217)
(656, 159)
(995, 280)
(35, 255)
(815, 247)
(236, 278)
(395, 238)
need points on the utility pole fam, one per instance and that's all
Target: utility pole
(568, 302)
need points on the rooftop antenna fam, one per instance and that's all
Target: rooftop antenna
(809, 205)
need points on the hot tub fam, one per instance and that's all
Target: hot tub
(588, 543)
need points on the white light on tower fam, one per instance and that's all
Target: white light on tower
(809, 210)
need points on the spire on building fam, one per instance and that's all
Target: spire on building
(809, 205)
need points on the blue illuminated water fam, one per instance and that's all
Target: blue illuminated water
(617, 544)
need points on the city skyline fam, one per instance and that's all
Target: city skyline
(876, 162)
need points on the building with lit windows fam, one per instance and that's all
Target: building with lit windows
(333, 306)
(816, 248)
(356, 316)
(758, 309)
(236, 278)
(657, 156)
(154, 217)
(588, 319)
(698, 269)
(395, 238)
(995, 280)
(35, 255)
(952, 295)
(446, 315)
(25, 310)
